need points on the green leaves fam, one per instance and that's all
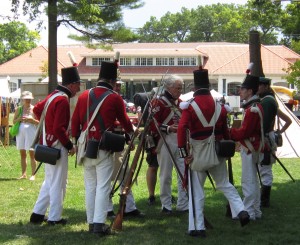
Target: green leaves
(16, 39)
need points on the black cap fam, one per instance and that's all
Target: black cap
(251, 82)
(70, 75)
(109, 70)
(201, 78)
(264, 80)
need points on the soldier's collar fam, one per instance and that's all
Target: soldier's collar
(105, 84)
(65, 90)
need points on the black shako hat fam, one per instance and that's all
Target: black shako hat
(109, 70)
(70, 75)
(250, 82)
(201, 78)
(264, 80)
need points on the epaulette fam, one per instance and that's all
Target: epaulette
(185, 104)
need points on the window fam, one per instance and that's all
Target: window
(161, 61)
(97, 61)
(180, 61)
(13, 86)
(149, 61)
(125, 61)
(187, 61)
(193, 61)
(232, 88)
(171, 61)
(143, 61)
(137, 61)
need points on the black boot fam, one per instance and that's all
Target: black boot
(265, 196)
(102, 229)
(37, 218)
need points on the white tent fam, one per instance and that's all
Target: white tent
(4, 89)
(16, 94)
(46, 80)
(189, 95)
(290, 147)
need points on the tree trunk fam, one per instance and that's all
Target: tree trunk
(52, 45)
(255, 54)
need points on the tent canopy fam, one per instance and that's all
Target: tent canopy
(4, 89)
(16, 94)
(46, 80)
(291, 136)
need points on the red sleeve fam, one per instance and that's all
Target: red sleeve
(250, 125)
(61, 121)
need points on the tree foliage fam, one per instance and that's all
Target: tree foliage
(16, 39)
(266, 18)
(219, 23)
(291, 26)
(95, 19)
(170, 28)
(293, 76)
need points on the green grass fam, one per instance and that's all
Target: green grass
(279, 225)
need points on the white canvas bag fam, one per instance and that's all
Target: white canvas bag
(203, 151)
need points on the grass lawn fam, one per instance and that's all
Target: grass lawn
(279, 225)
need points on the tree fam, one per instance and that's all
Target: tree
(170, 28)
(291, 26)
(94, 19)
(16, 39)
(266, 17)
(293, 76)
(219, 23)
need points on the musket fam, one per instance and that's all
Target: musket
(168, 150)
(280, 163)
(284, 168)
(117, 223)
(230, 172)
(231, 181)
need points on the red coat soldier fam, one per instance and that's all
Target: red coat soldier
(56, 135)
(250, 135)
(167, 113)
(190, 121)
(98, 172)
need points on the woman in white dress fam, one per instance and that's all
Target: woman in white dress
(24, 114)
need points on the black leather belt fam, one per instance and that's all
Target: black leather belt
(119, 132)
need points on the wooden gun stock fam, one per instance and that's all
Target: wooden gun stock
(117, 223)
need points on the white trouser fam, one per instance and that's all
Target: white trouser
(97, 180)
(53, 189)
(166, 167)
(250, 183)
(196, 201)
(266, 174)
(130, 203)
